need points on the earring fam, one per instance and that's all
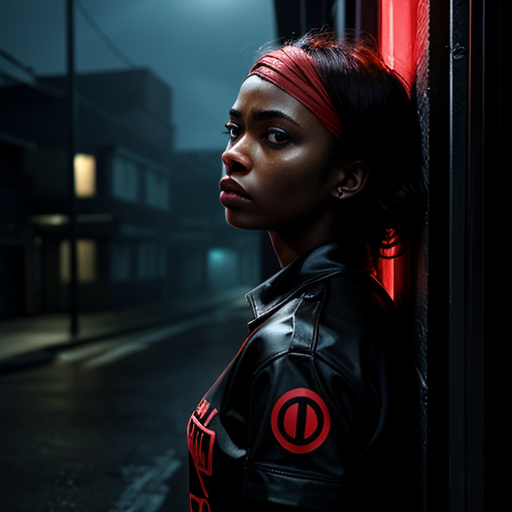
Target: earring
(337, 193)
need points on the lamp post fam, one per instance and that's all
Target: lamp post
(72, 201)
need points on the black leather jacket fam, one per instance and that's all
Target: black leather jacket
(300, 417)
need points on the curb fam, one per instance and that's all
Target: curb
(46, 355)
(25, 361)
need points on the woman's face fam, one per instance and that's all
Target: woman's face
(277, 154)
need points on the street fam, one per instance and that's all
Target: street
(102, 428)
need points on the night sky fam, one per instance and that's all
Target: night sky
(201, 48)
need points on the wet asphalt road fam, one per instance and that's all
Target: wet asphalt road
(102, 428)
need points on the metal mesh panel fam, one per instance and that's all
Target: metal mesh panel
(421, 90)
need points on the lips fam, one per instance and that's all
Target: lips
(230, 186)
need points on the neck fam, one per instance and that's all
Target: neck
(290, 243)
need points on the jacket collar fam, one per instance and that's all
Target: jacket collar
(313, 266)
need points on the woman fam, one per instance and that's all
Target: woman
(323, 153)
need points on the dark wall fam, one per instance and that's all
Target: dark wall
(295, 17)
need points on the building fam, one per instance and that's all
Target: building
(149, 226)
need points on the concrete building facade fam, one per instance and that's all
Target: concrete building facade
(149, 223)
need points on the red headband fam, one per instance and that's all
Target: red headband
(293, 71)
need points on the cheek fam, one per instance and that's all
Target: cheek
(295, 176)
(290, 197)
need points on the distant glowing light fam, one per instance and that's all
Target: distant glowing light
(49, 219)
(57, 219)
(222, 268)
(85, 175)
(86, 259)
(217, 255)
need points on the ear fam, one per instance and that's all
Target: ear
(352, 177)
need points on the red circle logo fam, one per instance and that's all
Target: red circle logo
(300, 421)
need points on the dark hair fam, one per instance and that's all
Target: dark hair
(381, 129)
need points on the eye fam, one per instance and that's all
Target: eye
(276, 137)
(233, 130)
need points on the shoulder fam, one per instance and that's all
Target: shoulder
(358, 310)
(328, 314)
(360, 296)
(356, 328)
(342, 324)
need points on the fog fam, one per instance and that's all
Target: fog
(201, 48)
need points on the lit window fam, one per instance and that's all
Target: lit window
(85, 175)
(86, 261)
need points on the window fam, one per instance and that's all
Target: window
(156, 189)
(121, 261)
(85, 175)
(146, 261)
(86, 261)
(125, 179)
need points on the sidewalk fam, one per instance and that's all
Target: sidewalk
(26, 342)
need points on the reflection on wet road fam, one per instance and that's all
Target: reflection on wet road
(102, 428)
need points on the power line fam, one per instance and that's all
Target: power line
(103, 36)
(17, 62)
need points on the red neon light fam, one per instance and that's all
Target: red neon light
(400, 50)
(398, 36)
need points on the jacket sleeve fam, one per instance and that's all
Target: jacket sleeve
(308, 424)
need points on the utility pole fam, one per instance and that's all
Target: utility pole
(72, 209)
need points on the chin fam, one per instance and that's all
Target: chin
(240, 221)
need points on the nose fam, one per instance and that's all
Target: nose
(236, 157)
